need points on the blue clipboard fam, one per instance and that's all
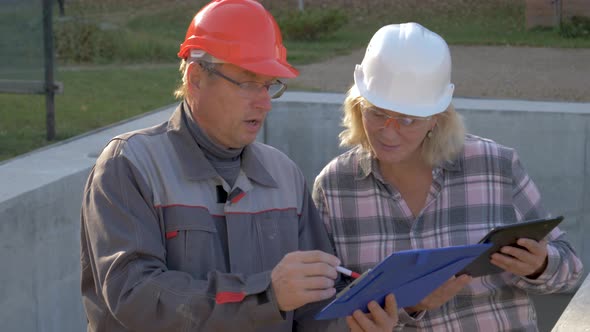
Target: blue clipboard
(411, 275)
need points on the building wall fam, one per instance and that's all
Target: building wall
(543, 12)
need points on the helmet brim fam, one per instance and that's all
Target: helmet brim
(420, 110)
(271, 68)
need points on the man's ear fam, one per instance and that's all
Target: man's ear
(194, 76)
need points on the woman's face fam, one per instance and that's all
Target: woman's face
(395, 137)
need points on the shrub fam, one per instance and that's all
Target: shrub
(79, 41)
(311, 24)
(577, 27)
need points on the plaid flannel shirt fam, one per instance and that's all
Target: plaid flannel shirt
(484, 187)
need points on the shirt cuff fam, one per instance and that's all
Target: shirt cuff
(404, 317)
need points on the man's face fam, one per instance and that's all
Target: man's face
(229, 115)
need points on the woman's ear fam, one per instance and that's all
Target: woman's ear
(434, 122)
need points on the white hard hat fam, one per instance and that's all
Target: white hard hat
(406, 69)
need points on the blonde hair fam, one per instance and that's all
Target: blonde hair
(181, 91)
(445, 143)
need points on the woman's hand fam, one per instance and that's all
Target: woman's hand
(442, 294)
(379, 319)
(529, 262)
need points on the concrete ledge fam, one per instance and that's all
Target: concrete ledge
(460, 103)
(51, 163)
(575, 317)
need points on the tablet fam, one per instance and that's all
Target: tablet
(507, 236)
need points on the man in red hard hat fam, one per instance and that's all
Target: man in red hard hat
(192, 225)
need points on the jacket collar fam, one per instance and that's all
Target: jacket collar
(195, 165)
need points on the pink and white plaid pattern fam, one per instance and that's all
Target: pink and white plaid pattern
(485, 187)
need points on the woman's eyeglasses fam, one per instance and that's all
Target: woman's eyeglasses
(379, 119)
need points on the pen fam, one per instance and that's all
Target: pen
(347, 272)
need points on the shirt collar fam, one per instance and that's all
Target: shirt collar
(367, 164)
(452, 165)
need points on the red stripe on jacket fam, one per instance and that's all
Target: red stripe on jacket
(229, 297)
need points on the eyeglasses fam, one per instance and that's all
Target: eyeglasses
(250, 89)
(379, 119)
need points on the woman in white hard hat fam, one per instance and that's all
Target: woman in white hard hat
(413, 179)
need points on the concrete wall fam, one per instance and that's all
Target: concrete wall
(40, 193)
(40, 197)
(575, 318)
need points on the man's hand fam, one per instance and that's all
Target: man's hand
(530, 262)
(442, 294)
(303, 277)
(378, 319)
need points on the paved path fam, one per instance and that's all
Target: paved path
(483, 71)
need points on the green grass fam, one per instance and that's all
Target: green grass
(92, 98)
(149, 31)
(342, 42)
(499, 24)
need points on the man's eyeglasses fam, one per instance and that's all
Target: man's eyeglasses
(380, 119)
(251, 89)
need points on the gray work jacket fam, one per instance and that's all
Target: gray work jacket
(162, 250)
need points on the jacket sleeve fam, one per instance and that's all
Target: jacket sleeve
(126, 252)
(564, 269)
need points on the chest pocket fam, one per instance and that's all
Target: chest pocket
(192, 243)
(278, 234)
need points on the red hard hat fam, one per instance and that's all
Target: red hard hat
(240, 32)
